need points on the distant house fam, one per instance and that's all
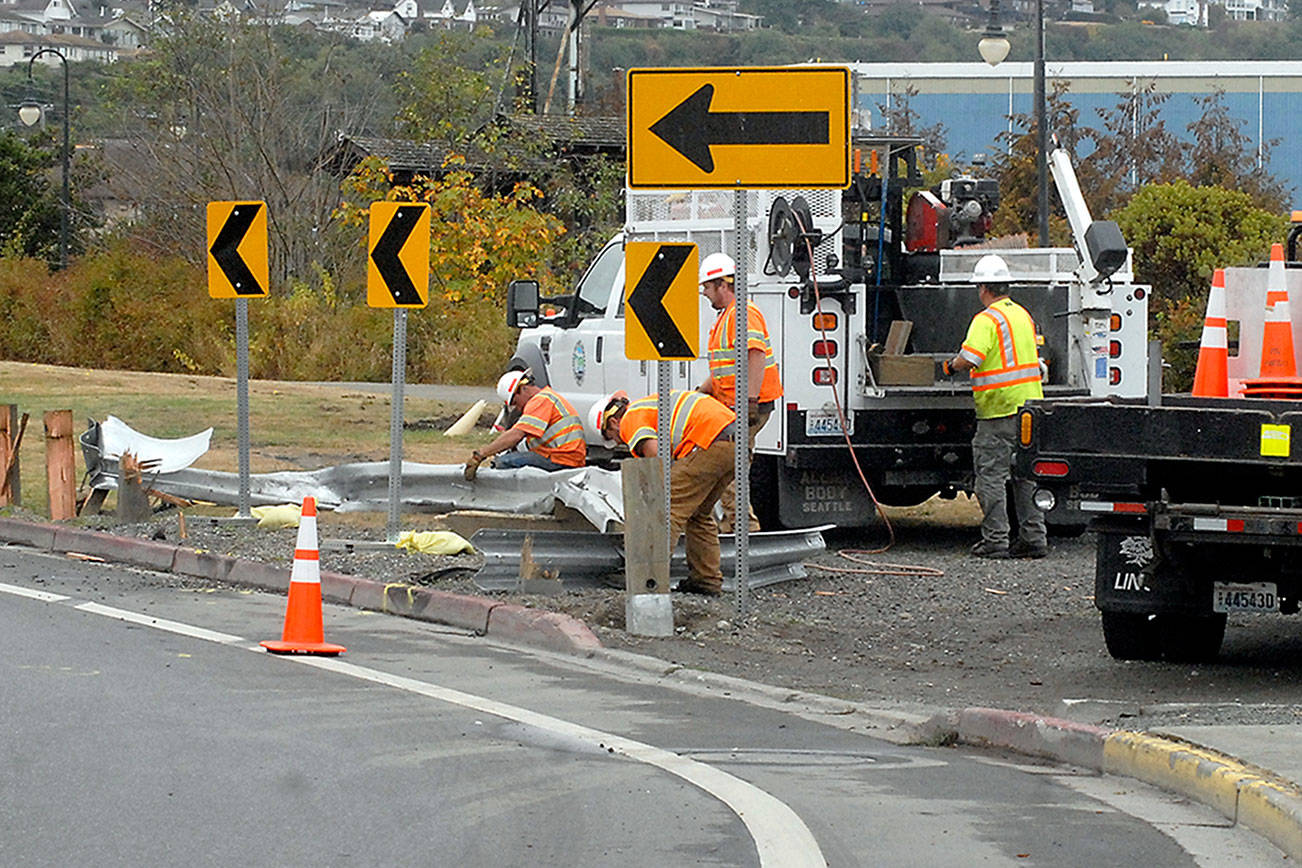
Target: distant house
(1187, 12)
(18, 47)
(1256, 10)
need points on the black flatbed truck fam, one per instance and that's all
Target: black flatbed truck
(1196, 506)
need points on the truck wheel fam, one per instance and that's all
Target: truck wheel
(1166, 636)
(1132, 636)
(764, 493)
(1192, 638)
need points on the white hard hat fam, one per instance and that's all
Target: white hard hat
(717, 265)
(991, 268)
(509, 383)
(600, 412)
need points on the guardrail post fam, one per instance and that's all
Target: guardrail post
(60, 464)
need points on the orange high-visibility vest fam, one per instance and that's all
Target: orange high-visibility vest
(723, 368)
(694, 422)
(553, 429)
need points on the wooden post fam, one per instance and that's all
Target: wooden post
(647, 610)
(60, 464)
(8, 430)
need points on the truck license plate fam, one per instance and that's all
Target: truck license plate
(1247, 597)
(824, 423)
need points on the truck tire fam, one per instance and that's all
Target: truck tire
(764, 491)
(1131, 636)
(1178, 638)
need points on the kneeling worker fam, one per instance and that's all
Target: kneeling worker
(702, 435)
(549, 426)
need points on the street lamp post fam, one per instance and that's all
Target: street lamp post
(994, 48)
(29, 113)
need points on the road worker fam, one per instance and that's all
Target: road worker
(1001, 353)
(549, 427)
(702, 434)
(763, 384)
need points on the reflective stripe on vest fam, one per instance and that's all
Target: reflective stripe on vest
(565, 430)
(722, 356)
(1012, 368)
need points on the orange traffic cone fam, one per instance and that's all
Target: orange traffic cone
(304, 632)
(1277, 335)
(1211, 379)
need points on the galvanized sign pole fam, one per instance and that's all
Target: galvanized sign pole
(741, 367)
(242, 399)
(395, 422)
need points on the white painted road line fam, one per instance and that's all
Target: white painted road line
(30, 594)
(781, 838)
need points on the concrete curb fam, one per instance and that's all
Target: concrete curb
(482, 616)
(1246, 795)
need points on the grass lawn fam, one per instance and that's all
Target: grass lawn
(292, 426)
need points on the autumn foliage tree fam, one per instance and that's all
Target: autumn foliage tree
(480, 240)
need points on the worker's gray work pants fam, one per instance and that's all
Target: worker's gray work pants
(992, 458)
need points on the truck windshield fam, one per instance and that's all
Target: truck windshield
(594, 289)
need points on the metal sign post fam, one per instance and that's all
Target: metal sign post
(242, 399)
(395, 423)
(238, 269)
(397, 277)
(741, 365)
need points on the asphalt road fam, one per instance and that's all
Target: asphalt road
(145, 727)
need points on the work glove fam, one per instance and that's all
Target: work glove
(752, 411)
(943, 370)
(472, 466)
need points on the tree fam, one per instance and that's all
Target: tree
(1135, 147)
(220, 109)
(29, 210)
(1180, 234)
(1016, 168)
(1222, 156)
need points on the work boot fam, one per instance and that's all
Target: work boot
(706, 587)
(986, 549)
(1021, 549)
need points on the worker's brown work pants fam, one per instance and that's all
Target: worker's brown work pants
(729, 498)
(696, 482)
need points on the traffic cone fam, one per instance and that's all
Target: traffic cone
(1211, 379)
(304, 632)
(1277, 334)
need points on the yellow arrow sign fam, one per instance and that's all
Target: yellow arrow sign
(661, 310)
(237, 250)
(397, 262)
(756, 127)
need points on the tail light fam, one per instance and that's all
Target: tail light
(824, 322)
(824, 376)
(1114, 322)
(1114, 376)
(1114, 349)
(1050, 468)
(824, 349)
(1025, 422)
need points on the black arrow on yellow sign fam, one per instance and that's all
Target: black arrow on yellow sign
(690, 128)
(385, 256)
(225, 250)
(646, 301)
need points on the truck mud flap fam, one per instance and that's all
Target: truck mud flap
(1133, 573)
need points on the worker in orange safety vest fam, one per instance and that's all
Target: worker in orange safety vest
(549, 427)
(1001, 353)
(702, 434)
(763, 382)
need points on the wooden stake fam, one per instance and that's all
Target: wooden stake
(10, 485)
(60, 464)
